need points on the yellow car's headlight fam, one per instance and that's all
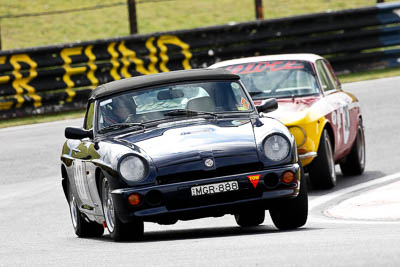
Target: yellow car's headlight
(299, 134)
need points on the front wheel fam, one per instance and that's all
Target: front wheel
(250, 217)
(290, 214)
(354, 163)
(322, 168)
(119, 231)
(82, 227)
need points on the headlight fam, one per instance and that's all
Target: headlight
(276, 147)
(132, 168)
(299, 134)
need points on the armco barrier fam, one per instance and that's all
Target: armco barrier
(54, 78)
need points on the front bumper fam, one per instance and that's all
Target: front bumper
(175, 201)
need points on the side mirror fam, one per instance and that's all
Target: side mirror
(268, 105)
(78, 133)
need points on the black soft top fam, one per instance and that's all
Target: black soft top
(160, 79)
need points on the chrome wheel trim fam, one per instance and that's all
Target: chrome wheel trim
(74, 212)
(108, 206)
(330, 159)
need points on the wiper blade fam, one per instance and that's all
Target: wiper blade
(123, 125)
(188, 112)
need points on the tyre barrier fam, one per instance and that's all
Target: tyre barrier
(57, 78)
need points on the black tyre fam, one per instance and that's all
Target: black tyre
(119, 231)
(250, 217)
(354, 162)
(82, 227)
(290, 214)
(322, 168)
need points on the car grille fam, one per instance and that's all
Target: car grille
(198, 175)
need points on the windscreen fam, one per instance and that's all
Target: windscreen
(277, 79)
(158, 103)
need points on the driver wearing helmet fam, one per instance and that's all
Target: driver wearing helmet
(121, 109)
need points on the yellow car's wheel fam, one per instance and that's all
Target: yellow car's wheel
(322, 168)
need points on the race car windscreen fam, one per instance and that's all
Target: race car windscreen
(159, 103)
(278, 79)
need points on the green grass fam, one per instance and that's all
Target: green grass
(152, 17)
(42, 118)
(369, 75)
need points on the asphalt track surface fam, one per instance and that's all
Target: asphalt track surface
(36, 230)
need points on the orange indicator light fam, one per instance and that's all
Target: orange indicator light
(288, 177)
(302, 150)
(134, 199)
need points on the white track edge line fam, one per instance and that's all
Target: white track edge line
(328, 197)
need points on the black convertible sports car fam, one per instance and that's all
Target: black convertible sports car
(179, 146)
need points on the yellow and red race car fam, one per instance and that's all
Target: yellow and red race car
(325, 120)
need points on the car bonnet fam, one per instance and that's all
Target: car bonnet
(227, 142)
(292, 110)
